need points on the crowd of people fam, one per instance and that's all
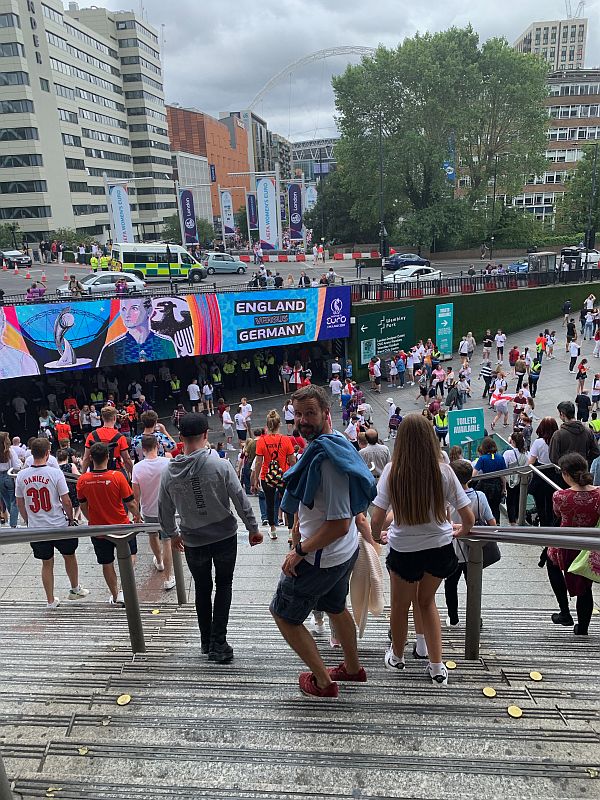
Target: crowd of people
(319, 468)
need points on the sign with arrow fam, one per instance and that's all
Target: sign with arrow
(444, 323)
(465, 426)
(385, 332)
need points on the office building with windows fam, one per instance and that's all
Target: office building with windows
(314, 158)
(81, 96)
(560, 42)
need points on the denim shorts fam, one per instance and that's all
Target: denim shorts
(319, 588)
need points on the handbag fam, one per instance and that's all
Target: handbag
(514, 480)
(587, 564)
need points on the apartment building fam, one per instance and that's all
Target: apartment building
(560, 42)
(81, 95)
(314, 157)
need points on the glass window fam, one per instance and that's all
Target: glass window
(141, 45)
(22, 187)
(9, 21)
(75, 163)
(103, 119)
(71, 140)
(16, 107)
(28, 212)
(24, 160)
(18, 134)
(8, 49)
(14, 79)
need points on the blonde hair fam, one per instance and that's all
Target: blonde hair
(108, 413)
(415, 480)
(4, 447)
(273, 421)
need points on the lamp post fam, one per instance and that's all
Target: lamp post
(382, 230)
(493, 207)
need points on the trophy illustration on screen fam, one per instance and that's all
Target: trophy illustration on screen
(68, 359)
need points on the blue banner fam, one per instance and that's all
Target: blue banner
(444, 323)
(213, 173)
(188, 217)
(282, 207)
(252, 211)
(295, 204)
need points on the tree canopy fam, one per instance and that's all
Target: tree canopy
(172, 229)
(573, 211)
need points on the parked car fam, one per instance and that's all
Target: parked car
(223, 262)
(405, 274)
(406, 260)
(12, 257)
(104, 283)
(519, 266)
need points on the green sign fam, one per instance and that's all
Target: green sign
(444, 320)
(465, 426)
(385, 332)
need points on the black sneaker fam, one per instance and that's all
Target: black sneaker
(578, 632)
(204, 648)
(221, 653)
(562, 619)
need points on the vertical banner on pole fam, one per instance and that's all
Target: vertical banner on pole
(252, 211)
(295, 204)
(188, 217)
(120, 212)
(311, 197)
(444, 323)
(227, 209)
(282, 207)
(267, 213)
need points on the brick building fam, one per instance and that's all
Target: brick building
(224, 143)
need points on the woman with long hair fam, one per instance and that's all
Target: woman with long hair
(274, 455)
(516, 456)
(577, 507)
(8, 460)
(539, 456)
(420, 536)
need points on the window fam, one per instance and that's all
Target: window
(82, 210)
(150, 143)
(94, 152)
(141, 45)
(16, 107)
(146, 128)
(81, 55)
(83, 94)
(75, 72)
(100, 136)
(68, 116)
(142, 111)
(145, 190)
(22, 187)
(101, 190)
(79, 186)
(27, 160)
(97, 172)
(50, 13)
(28, 212)
(151, 160)
(140, 77)
(36, 40)
(18, 134)
(11, 49)
(142, 94)
(90, 40)
(38, 57)
(103, 119)
(75, 163)
(157, 206)
(9, 21)
(563, 54)
(71, 140)
(14, 79)
(132, 24)
(126, 60)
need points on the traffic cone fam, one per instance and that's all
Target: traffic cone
(43, 279)
(16, 268)
(4, 267)
(28, 275)
(65, 274)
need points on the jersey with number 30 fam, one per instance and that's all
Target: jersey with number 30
(41, 488)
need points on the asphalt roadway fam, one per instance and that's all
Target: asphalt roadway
(54, 274)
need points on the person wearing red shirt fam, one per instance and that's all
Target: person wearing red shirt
(63, 434)
(75, 421)
(103, 495)
(272, 446)
(117, 444)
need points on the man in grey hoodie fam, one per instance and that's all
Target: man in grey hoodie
(199, 488)
(572, 436)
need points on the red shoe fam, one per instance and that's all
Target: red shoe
(308, 686)
(341, 674)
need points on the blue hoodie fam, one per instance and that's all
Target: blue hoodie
(304, 478)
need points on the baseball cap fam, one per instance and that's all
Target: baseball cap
(390, 401)
(193, 425)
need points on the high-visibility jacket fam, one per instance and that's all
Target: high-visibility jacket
(441, 423)
(104, 262)
(229, 368)
(216, 376)
(175, 385)
(595, 425)
(535, 369)
(262, 370)
(245, 365)
(94, 263)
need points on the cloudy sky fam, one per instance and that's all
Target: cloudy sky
(220, 53)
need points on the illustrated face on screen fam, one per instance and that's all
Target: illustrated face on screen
(135, 313)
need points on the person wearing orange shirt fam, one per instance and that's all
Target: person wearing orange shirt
(104, 495)
(108, 434)
(63, 434)
(274, 455)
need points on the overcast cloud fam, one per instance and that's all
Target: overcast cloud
(220, 53)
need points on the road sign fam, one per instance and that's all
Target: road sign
(444, 323)
(385, 332)
(465, 426)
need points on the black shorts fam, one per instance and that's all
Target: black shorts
(241, 434)
(423, 391)
(377, 381)
(105, 549)
(45, 550)
(440, 562)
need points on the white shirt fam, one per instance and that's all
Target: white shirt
(240, 422)
(377, 369)
(288, 413)
(42, 488)
(351, 432)
(335, 385)
(52, 462)
(500, 338)
(18, 403)
(246, 411)
(193, 391)
(391, 410)
(227, 421)
(414, 538)
(207, 389)
(14, 462)
(589, 303)
(147, 474)
(574, 349)
(541, 451)
(336, 368)
(410, 361)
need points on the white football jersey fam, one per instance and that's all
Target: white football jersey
(42, 488)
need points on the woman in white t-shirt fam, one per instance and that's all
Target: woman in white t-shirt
(207, 398)
(420, 536)
(539, 456)
(289, 416)
(516, 456)
(8, 460)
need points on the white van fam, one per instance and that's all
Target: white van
(157, 260)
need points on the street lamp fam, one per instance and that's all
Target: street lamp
(382, 230)
(493, 207)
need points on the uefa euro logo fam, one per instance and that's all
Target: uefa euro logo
(189, 223)
(296, 218)
(336, 306)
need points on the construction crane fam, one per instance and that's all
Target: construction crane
(579, 11)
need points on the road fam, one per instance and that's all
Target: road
(54, 273)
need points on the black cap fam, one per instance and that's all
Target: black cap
(193, 425)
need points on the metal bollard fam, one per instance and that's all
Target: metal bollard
(5, 790)
(474, 582)
(523, 484)
(132, 605)
(179, 577)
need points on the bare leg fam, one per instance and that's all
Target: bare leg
(110, 576)
(417, 618)
(72, 570)
(154, 543)
(345, 631)
(402, 595)
(48, 579)
(428, 586)
(167, 557)
(303, 644)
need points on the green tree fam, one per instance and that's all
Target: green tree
(573, 212)
(70, 237)
(9, 233)
(241, 222)
(336, 216)
(171, 231)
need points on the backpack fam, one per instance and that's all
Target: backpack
(514, 479)
(274, 476)
(111, 444)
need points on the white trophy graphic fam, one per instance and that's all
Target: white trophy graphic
(68, 359)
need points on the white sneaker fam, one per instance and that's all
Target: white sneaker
(441, 679)
(55, 604)
(120, 601)
(77, 592)
(316, 626)
(158, 564)
(391, 661)
(169, 583)
(450, 625)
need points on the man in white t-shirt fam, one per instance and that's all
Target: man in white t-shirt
(228, 427)
(336, 368)
(145, 478)
(51, 462)
(574, 350)
(500, 338)
(335, 385)
(43, 502)
(240, 427)
(246, 412)
(351, 431)
(194, 393)
(316, 573)
(377, 375)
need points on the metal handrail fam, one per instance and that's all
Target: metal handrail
(570, 538)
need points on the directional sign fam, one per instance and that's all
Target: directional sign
(465, 426)
(385, 332)
(444, 319)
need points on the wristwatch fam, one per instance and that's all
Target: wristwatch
(299, 551)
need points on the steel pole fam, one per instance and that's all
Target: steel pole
(132, 605)
(179, 576)
(474, 581)
(523, 484)
(5, 790)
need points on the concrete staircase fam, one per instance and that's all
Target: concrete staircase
(197, 730)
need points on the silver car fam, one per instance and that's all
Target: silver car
(103, 283)
(223, 262)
